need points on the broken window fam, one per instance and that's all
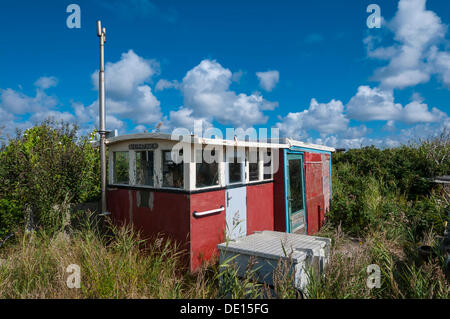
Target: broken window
(207, 174)
(144, 168)
(121, 167)
(172, 171)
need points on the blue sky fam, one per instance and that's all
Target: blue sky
(311, 68)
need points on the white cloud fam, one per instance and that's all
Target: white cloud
(442, 65)
(124, 76)
(140, 129)
(416, 112)
(373, 104)
(377, 104)
(183, 118)
(38, 117)
(46, 82)
(127, 93)
(325, 118)
(165, 84)
(268, 80)
(20, 103)
(416, 31)
(206, 92)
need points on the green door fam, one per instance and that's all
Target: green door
(295, 194)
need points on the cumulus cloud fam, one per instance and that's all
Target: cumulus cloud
(206, 92)
(165, 84)
(268, 80)
(325, 118)
(20, 103)
(184, 118)
(122, 77)
(128, 93)
(371, 104)
(442, 65)
(46, 82)
(412, 58)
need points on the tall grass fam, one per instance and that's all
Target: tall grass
(403, 273)
(115, 265)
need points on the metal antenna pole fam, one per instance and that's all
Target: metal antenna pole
(101, 33)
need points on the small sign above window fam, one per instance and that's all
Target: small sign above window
(150, 146)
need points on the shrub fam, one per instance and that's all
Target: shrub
(46, 165)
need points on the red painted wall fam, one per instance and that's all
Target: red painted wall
(118, 204)
(208, 231)
(167, 214)
(315, 204)
(260, 208)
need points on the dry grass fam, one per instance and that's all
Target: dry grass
(402, 276)
(116, 266)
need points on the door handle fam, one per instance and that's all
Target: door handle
(228, 199)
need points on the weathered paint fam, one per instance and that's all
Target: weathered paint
(164, 213)
(171, 213)
(260, 207)
(118, 204)
(208, 231)
(314, 191)
(326, 182)
(236, 212)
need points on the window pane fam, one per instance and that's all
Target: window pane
(121, 167)
(234, 169)
(267, 164)
(172, 172)
(144, 168)
(296, 186)
(253, 158)
(207, 174)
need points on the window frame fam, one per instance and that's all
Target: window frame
(242, 165)
(247, 164)
(161, 185)
(195, 171)
(267, 150)
(114, 167)
(153, 171)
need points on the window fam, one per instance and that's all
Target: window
(144, 168)
(253, 165)
(206, 174)
(121, 167)
(234, 168)
(172, 172)
(267, 164)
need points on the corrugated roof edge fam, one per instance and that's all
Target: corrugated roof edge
(271, 143)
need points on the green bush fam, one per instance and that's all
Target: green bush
(43, 167)
(376, 189)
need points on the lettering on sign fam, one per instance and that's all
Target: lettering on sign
(150, 146)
